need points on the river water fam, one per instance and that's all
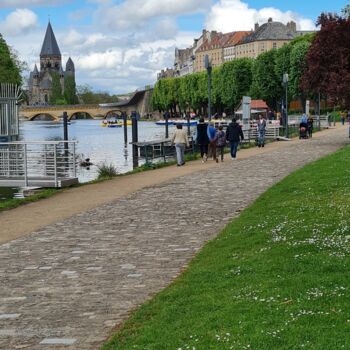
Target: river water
(100, 144)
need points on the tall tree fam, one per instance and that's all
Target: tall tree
(328, 60)
(70, 90)
(10, 66)
(266, 84)
(56, 96)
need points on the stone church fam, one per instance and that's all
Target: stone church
(40, 82)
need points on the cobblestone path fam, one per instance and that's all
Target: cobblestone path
(67, 285)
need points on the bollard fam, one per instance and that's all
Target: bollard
(166, 117)
(125, 128)
(65, 133)
(135, 155)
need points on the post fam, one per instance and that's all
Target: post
(65, 133)
(188, 124)
(135, 155)
(25, 160)
(74, 166)
(125, 128)
(285, 81)
(55, 163)
(208, 67)
(166, 117)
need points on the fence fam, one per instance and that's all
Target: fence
(9, 96)
(37, 163)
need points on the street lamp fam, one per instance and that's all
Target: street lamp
(208, 67)
(285, 82)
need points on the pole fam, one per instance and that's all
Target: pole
(188, 124)
(65, 134)
(135, 155)
(125, 128)
(209, 92)
(286, 109)
(166, 117)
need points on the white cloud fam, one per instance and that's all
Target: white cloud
(30, 3)
(19, 22)
(135, 13)
(230, 15)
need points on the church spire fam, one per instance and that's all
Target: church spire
(50, 47)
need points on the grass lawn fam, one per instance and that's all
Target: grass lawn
(277, 277)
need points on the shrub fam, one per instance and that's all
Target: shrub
(106, 171)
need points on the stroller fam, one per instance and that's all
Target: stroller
(303, 131)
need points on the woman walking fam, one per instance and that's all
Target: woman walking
(203, 139)
(180, 140)
(221, 142)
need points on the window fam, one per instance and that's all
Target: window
(274, 45)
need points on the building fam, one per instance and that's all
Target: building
(166, 73)
(230, 45)
(40, 81)
(270, 35)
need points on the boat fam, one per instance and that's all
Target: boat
(111, 124)
(114, 125)
(183, 122)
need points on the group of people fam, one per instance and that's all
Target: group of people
(306, 126)
(211, 141)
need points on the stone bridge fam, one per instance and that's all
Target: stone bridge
(139, 102)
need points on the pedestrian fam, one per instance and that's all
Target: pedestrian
(310, 126)
(261, 129)
(221, 142)
(342, 117)
(212, 141)
(203, 139)
(234, 135)
(180, 140)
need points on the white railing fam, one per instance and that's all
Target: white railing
(44, 161)
(251, 133)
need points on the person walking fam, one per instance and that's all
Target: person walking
(342, 117)
(221, 142)
(234, 135)
(261, 129)
(203, 139)
(310, 126)
(212, 141)
(180, 140)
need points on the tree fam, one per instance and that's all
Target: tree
(56, 96)
(266, 84)
(328, 60)
(70, 90)
(10, 66)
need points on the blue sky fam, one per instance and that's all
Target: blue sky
(119, 45)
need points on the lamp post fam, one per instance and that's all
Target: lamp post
(285, 82)
(208, 67)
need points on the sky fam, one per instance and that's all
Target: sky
(120, 45)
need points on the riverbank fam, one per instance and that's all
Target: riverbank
(79, 199)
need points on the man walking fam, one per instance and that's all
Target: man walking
(234, 135)
(261, 128)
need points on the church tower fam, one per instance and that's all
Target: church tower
(40, 82)
(50, 55)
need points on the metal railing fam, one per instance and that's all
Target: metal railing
(251, 133)
(44, 161)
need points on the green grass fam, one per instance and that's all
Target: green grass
(277, 277)
(7, 204)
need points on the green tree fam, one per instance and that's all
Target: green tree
(266, 84)
(56, 96)
(10, 66)
(70, 90)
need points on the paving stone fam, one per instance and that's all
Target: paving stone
(151, 234)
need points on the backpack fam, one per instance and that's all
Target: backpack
(221, 138)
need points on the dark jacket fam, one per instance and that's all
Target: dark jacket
(202, 134)
(234, 133)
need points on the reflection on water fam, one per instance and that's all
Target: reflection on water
(100, 144)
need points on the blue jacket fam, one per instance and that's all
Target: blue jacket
(211, 133)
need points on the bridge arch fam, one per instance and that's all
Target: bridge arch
(88, 115)
(42, 116)
(116, 111)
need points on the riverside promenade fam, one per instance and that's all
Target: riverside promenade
(76, 264)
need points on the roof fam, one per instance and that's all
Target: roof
(70, 65)
(270, 31)
(258, 104)
(235, 37)
(35, 71)
(50, 47)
